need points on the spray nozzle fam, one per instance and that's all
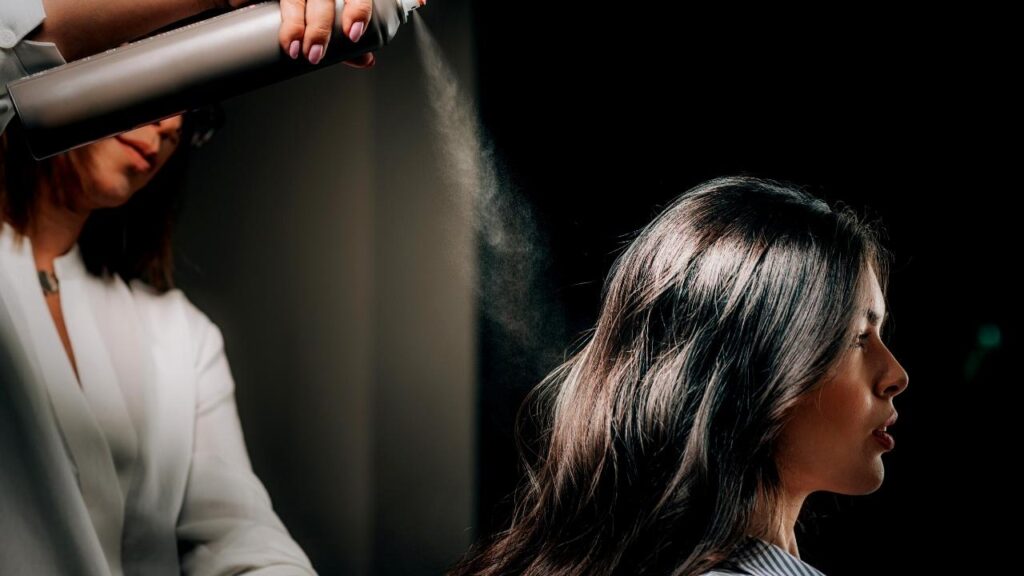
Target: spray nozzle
(407, 6)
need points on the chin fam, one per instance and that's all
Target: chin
(865, 481)
(111, 192)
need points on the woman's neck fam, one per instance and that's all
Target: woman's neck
(781, 531)
(53, 230)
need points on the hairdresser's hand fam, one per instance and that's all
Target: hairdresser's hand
(306, 27)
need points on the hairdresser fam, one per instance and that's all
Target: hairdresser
(40, 34)
(120, 446)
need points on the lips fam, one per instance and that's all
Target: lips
(889, 422)
(882, 435)
(140, 150)
(885, 439)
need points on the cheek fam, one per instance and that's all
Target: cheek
(846, 406)
(824, 440)
(809, 432)
(115, 178)
(99, 165)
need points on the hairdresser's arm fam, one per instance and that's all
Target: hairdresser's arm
(81, 28)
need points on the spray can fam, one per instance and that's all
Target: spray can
(167, 74)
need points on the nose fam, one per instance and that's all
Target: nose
(171, 123)
(168, 126)
(894, 378)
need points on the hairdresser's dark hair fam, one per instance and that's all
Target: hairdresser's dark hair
(132, 240)
(657, 437)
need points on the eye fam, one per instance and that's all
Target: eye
(858, 342)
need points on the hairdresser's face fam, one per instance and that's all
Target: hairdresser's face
(117, 167)
(830, 442)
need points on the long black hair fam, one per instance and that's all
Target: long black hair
(658, 436)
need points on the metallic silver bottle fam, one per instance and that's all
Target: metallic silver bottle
(160, 76)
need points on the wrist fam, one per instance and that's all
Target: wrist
(219, 4)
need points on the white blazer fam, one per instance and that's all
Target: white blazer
(139, 469)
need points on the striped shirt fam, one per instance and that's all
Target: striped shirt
(762, 558)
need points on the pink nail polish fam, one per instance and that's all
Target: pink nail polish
(356, 31)
(316, 53)
(293, 49)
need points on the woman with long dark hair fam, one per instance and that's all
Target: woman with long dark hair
(736, 367)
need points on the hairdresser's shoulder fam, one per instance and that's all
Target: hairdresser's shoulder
(169, 308)
(19, 56)
(17, 19)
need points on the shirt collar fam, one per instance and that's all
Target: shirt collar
(66, 266)
(762, 558)
(69, 264)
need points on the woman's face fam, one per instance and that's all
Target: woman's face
(115, 168)
(830, 442)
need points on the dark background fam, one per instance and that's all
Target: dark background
(378, 388)
(377, 385)
(602, 117)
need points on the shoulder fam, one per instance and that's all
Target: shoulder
(173, 313)
(173, 301)
(20, 56)
(17, 19)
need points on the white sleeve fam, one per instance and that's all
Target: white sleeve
(227, 524)
(20, 57)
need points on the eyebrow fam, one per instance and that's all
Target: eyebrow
(873, 316)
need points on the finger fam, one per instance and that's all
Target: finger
(355, 18)
(293, 26)
(366, 60)
(319, 25)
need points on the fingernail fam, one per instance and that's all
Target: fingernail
(293, 50)
(316, 53)
(356, 31)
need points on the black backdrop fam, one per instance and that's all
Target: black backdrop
(601, 117)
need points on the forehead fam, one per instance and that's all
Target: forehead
(871, 299)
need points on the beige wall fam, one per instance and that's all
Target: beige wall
(319, 234)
